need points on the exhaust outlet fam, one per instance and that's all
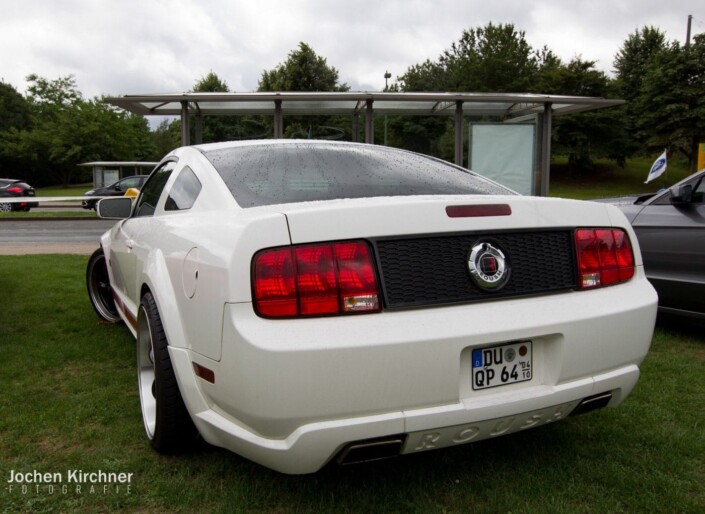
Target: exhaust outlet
(371, 450)
(591, 403)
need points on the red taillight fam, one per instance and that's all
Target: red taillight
(275, 283)
(15, 189)
(604, 257)
(315, 280)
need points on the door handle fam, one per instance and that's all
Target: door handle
(129, 243)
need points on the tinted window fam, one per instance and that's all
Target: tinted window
(152, 190)
(264, 174)
(184, 192)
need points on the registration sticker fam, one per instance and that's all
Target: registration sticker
(501, 365)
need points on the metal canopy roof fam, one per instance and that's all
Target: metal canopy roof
(351, 103)
(509, 106)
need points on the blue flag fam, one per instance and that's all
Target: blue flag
(657, 168)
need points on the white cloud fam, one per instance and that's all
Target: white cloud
(156, 46)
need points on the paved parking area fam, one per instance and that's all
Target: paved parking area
(44, 248)
(33, 236)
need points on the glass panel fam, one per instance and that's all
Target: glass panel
(272, 173)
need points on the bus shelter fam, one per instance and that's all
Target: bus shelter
(537, 110)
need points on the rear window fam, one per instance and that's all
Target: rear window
(266, 174)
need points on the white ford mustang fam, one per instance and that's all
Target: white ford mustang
(300, 302)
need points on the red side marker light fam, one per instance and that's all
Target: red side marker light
(206, 374)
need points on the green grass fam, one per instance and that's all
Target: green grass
(609, 180)
(41, 213)
(73, 190)
(69, 401)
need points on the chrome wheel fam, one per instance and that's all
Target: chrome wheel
(5, 207)
(100, 291)
(166, 420)
(146, 374)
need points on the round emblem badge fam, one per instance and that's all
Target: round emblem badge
(488, 266)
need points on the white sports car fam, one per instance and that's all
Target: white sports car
(299, 302)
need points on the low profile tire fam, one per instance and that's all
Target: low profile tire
(166, 420)
(5, 207)
(99, 290)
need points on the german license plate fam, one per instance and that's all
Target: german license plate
(501, 365)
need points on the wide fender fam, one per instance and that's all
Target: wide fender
(156, 277)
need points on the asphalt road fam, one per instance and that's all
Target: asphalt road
(51, 236)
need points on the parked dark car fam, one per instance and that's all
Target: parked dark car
(116, 189)
(670, 227)
(12, 188)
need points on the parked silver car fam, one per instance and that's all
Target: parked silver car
(670, 227)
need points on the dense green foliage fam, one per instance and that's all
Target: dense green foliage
(57, 128)
(46, 132)
(304, 70)
(663, 83)
(672, 99)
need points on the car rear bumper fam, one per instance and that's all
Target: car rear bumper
(292, 395)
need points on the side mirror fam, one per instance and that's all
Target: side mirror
(684, 196)
(114, 208)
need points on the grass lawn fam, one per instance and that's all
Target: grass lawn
(72, 190)
(41, 213)
(608, 180)
(69, 401)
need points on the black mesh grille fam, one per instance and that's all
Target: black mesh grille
(434, 270)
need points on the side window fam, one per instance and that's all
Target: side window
(699, 194)
(128, 183)
(152, 190)
(184, 192)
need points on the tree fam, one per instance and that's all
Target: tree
(14, 109)
(304, 70)
(631, 64)
(226, 128)
(493, 58)
(672, 99)
(582, 137)
(427, 76)
(211, 83)
(634, 58)
(167, 136)
(66, 130)
(15, 115)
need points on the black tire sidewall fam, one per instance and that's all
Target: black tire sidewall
(173, 431)
(93, 261)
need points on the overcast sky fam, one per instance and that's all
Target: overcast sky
(164, 46)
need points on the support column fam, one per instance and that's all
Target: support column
(199, 129)
(278, 120)
(459, 125)
(369, 124)
(356, 128)
(546, 123)
(185, 132)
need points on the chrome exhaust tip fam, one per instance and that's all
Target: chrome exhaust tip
(371, 450)
(591, 403)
